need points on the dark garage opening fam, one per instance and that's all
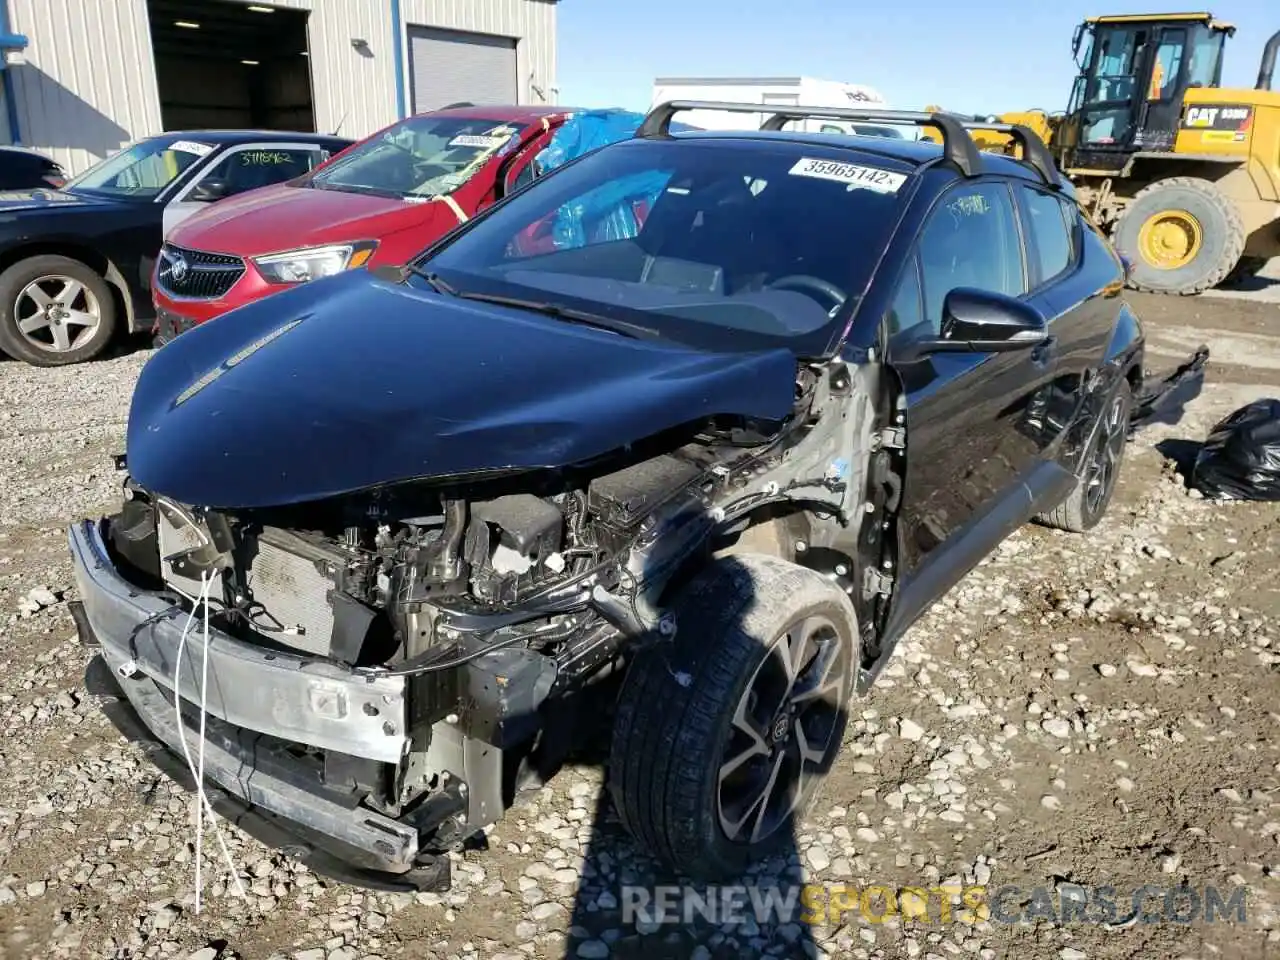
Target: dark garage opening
(221, 64)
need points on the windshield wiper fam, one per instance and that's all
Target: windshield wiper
(360, 189)
(434, 280)
(623, 327)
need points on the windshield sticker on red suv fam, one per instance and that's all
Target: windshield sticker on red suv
(854, 176)
(476, 140)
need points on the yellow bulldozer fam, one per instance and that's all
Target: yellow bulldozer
(1182, 172)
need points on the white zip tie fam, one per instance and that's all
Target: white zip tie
(202, 799)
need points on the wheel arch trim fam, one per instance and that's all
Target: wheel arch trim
(83, 252)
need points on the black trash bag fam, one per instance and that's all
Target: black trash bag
(1241, 458)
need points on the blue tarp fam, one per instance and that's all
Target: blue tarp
(607, 212)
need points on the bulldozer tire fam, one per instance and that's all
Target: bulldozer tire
(1182, 236)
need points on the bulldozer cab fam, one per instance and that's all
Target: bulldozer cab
(1134, 73)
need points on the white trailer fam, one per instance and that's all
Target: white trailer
(774, 91)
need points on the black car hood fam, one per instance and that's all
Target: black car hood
(52, 201)
(355, 381)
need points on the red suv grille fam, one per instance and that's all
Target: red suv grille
(196, 275)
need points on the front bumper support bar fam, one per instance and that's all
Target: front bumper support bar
(257, 701)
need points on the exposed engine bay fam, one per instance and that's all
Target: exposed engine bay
(491, 601)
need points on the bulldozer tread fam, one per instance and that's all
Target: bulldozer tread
(1232, 241)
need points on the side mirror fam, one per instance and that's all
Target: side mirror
(1076, 40)
(207, 191)
(977, 321)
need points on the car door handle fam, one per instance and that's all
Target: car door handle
(1044, 351)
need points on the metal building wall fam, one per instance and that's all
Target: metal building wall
(531, 22)
(88, 83)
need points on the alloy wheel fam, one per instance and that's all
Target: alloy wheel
(1104, 464)
(782, 732)
(57, 314)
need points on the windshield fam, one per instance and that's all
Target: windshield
(419, 157)
(143, 170)
(709, 242)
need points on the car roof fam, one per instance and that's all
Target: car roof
(222, 137)
(26, 157)
(25, 151)
(916, 153)
(530, 113)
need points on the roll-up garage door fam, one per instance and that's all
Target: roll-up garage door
(448, 65)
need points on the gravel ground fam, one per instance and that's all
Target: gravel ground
(1079, 710)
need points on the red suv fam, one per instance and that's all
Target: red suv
(379, 202)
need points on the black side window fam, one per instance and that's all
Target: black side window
(1049, 228)
(907, 310)
(524, 176)
(970, 240)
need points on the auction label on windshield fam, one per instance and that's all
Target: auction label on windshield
(853, 175)
(191, 146)
(476, 140)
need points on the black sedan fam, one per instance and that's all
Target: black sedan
(76, 262)
(23, 169)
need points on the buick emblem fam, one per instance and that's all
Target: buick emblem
(177, 268)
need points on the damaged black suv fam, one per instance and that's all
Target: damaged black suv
(718, 413)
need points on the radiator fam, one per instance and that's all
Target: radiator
(291, 579)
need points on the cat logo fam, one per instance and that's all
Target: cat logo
(1218, 118)
(1201, 116)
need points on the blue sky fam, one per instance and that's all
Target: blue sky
(1012, 55)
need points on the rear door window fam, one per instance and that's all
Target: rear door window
(1050, 234)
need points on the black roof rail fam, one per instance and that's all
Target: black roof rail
(1034, 151)
(957, 145)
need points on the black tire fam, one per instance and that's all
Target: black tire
(1246, 269)
(675, 722)
(1086, 505)
(1221, 228)
(58, 342)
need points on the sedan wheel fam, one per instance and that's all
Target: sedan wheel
(55, 310)
(57, 313)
